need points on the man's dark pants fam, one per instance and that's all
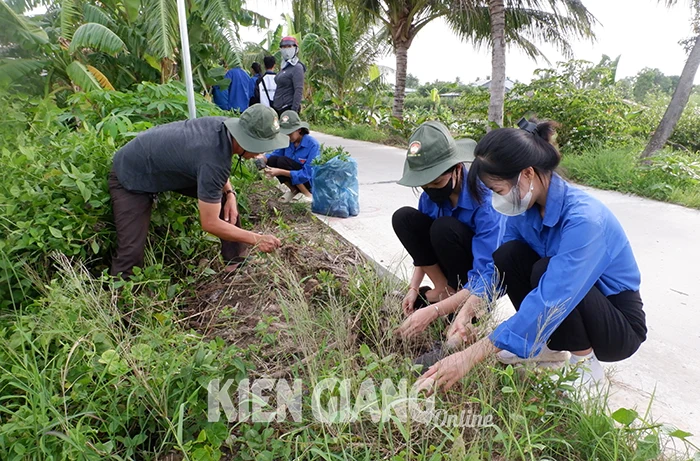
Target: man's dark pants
(132, 216)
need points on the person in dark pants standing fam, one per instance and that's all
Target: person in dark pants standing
(290, 79)
(194, 158)
(254, 79)
(292, 165)
(450, 236)
(568, 266)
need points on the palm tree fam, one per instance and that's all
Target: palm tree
(269, 46)
(66, 61)
(402, 20)
(514, 23)
(87, 33)
(681, 95)
(343, 48)
(519, 23)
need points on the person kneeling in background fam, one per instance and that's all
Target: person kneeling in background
(292, 164)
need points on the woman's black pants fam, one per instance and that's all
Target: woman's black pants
(445, 241)
(286, 163)
(613, 326)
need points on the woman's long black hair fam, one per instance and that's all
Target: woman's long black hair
(505, 152)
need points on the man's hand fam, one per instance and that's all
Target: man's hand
(231, 209)
(267, 243)
(417, 322)
(209, 217)
(409, 301)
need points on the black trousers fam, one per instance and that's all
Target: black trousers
(445, 241)
(613, 326)
(132, 216)
(286, 163)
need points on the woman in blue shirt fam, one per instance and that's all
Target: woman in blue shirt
(292, 165)
(450, 236)
(567, 264)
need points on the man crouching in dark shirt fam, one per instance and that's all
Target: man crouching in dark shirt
(194, 158)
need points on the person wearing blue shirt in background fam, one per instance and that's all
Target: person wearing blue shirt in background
(239, 90)
(292, 165)
(450, 236)
(219, 96)
(568, 266)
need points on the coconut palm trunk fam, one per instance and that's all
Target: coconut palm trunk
(497, 12)
(401, 50)
(677, 104)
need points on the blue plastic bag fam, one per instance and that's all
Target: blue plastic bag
(336, 191)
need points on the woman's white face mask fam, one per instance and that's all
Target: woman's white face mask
(511, 204)
(289, 53)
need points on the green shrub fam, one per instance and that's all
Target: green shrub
(120, 115)
(57, 198)
(588, 117)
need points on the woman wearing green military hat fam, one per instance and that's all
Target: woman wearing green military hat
(291, 165)
(450, 237)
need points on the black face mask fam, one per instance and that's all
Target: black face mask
(442, 194)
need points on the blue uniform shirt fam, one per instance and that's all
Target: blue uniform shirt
(487, 225)
(307, 150)
(239, 91)
(220, 97)
(588, 248)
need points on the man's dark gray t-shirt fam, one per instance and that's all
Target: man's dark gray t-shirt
(178, 155)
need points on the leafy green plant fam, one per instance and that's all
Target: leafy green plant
(57, 199)
(329, 153)
(119, 115)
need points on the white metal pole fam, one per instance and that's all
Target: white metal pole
(186, 64)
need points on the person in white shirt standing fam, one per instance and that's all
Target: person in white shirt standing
(266, 83)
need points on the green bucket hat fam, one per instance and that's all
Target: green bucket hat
(431, 152)
(290, 122)
(257, 130)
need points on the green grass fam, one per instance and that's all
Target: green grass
(95, 369)
(671, 177)
(79, 383)
(362, 132)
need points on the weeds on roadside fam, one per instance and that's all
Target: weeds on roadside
(671, 176)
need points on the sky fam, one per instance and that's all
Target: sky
(643, 32)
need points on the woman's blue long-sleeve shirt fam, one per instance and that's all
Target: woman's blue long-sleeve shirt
(486, 223)
(305, 153)
(587, 247)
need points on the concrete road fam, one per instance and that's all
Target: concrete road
(666, 242)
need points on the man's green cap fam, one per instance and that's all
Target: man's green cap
(431, 152)
(257, 130)
(290, 122)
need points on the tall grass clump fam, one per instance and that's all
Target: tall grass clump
(669, 176)
(533, 414)
(89, 372)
